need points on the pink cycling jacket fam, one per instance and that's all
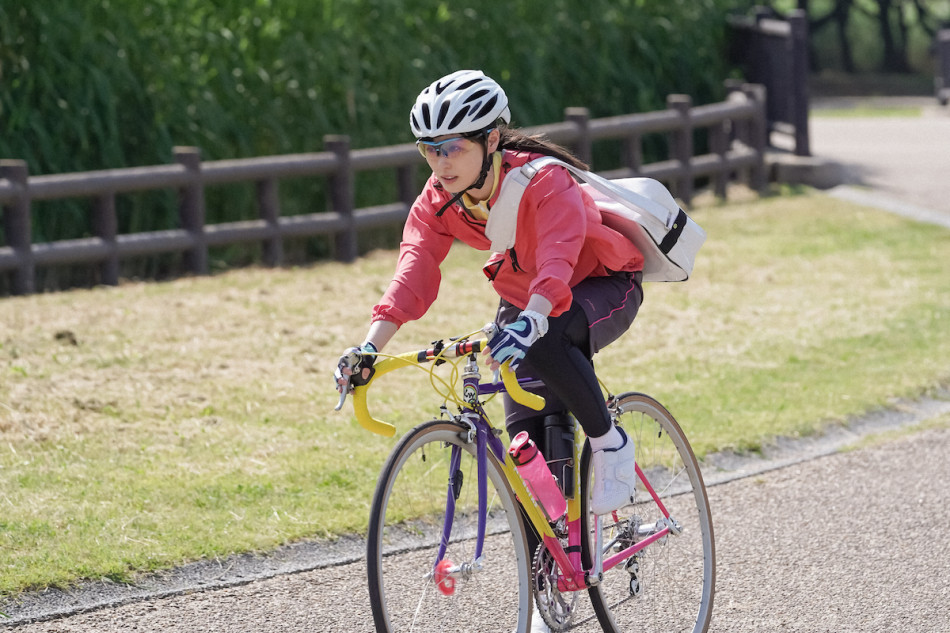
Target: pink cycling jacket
(560, 241)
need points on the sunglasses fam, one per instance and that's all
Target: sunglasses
(449, 148)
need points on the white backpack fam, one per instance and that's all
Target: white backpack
(641, 209)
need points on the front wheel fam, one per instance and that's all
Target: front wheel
(410, 589)
(669, 585)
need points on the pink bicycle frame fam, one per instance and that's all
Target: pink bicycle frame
(573, 576)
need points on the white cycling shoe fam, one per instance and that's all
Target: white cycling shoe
(538, 625)
(615, 477)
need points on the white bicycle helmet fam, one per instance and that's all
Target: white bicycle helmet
(464, 102)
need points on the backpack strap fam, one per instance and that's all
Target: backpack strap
(660, 207)
(503, 217)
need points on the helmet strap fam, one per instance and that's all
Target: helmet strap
(486, 165)
(448, 204)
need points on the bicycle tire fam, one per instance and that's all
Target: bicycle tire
(670, 585)
(405, 527)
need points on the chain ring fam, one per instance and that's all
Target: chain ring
(555, 610)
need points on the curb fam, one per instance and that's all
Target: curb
(875, 199)
(814, 171)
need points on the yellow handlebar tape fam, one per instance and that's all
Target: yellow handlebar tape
(368, 422)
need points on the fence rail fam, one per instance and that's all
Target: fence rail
(736, 133)
(942, 77)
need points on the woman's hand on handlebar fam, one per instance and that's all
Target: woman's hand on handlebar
(512, 342)
(355, 367)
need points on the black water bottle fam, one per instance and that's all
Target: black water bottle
(559, 440)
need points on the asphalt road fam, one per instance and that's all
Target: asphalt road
(901, 164)
(851, 541)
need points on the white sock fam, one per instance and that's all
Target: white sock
(610, 439)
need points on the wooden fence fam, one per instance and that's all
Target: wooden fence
(942, 78)
(735, 133)
(774, 53)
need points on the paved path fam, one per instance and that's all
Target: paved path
(905, 161)
(854, 541)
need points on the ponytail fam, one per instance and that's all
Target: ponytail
(517, 140)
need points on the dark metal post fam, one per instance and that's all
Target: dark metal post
(105, 225)
(342, 196)
(682, 145)
(942, 80)
(268, 204)
(760, 13)
(798, 43)
(191, 209)
(17, 226)
(581, 118)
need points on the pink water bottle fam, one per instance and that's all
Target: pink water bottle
(537, 476)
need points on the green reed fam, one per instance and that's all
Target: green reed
(113, 83)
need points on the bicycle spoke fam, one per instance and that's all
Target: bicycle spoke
(406, 530)
(669, 584)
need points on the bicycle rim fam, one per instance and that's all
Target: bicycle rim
(669, 585)
(405, 529)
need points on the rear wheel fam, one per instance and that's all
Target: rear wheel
(669, 585)
(407, 590)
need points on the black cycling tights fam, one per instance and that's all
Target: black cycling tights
(560, 360)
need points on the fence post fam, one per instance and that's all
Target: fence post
(942, 80)
(798, 42)
(718, 145)
(268, 204)
(18, 228)
(342, 195)
(191, 209)
(632, 153)
(681, 149)
(406, 184)
(581, 118)
(105, 226)
(740, 127)
(758, 133)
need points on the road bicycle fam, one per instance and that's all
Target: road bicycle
(446, 544)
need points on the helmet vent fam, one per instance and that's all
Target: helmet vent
(475, 96)
(469, 83)
(459, 117)
(426, 116)
(443, 111)
(487, 107)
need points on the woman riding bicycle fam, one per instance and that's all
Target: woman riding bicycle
(568, 287)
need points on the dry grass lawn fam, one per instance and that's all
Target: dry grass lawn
(154, 423)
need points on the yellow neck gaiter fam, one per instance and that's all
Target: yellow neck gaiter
(479, 209)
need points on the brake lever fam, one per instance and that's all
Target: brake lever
(490, 330)
(350, 361)
(342, 400)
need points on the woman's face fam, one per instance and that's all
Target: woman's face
(457, 161)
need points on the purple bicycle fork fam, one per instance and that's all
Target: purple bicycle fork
(484, 438)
